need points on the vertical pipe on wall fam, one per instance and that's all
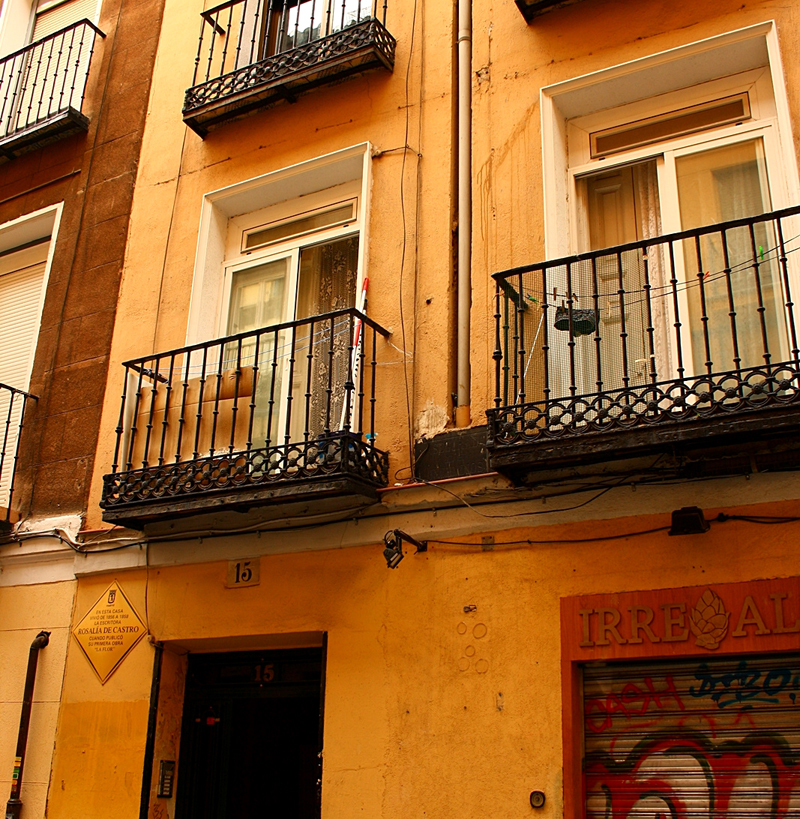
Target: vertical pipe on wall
(14, 804)
(464, 208)
(150, 740)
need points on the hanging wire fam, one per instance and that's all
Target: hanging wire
(770, 254)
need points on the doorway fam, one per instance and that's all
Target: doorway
(251, 738)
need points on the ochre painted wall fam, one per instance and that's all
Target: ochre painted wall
(24, 612)
(430, 710)
(512, 62)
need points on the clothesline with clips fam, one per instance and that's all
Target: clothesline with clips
(655, 290)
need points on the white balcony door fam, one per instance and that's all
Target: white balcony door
(685, 187)
(719, 184)
(297, 284)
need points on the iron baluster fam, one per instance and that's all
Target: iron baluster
(290, 387)
(310, 367)
(650, 330)
(255, 48)
(598, 339)
(235, 408)
(252, 415)
(216, 30)
(498, 350)
(297, 8)
(276, 336)
(374, 367)
(760, 293)
(329, 387)
(187, 364)
(737, 359)
(226, 40)
(311, 22)
(65, 71)
(88, 63)
(153, 373)
(681, 370)
(349, 384)
(215, 411)
(520, 320)
(203, 24)
(199, 415)
(120, 423)
(545, 338)
(165, 421)
(573, 387)
(359, 376)
(240, 38)
(701, 276)
(137, 400)
(623, 329)
(787, 292)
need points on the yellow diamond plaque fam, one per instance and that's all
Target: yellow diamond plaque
(108, 631)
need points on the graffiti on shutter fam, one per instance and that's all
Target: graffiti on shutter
(717, 738)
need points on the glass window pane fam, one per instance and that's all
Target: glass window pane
(733, 288)
(257, 297)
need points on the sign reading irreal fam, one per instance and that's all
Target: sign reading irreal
(757, 615)
(108, 631)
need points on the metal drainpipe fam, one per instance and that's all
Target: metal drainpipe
(464, 208)
(14, 804)
(150, 740)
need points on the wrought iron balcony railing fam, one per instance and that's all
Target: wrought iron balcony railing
(42, 87)
(12, 416)
(288, 410)
(678, 336)
(253, 53)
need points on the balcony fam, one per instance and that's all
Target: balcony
(530, 9)
(286, 413)
(42, 88)
(678, 344)
(12, 415)
(254, 53)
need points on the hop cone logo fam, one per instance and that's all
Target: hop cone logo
(709, 620)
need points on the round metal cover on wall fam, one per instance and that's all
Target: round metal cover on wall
(537, 799)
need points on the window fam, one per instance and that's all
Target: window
(305, 273)
(705, 150)
(25, 246)
(276, 252)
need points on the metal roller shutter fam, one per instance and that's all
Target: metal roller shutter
(717, 738)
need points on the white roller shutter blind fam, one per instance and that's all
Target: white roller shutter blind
(20, 315)
(50, 18)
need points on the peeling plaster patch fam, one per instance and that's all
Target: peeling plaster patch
(483, 74)
(431, 420)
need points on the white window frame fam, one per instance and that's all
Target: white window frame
(17, 19)
(21, 231)
(227, 212)
(762, 123)
(691, 73)
(237, 259)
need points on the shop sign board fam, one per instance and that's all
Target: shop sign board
(721, 618)
(109, 631)
(720, 649)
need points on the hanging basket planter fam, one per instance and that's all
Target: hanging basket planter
(584, 322)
